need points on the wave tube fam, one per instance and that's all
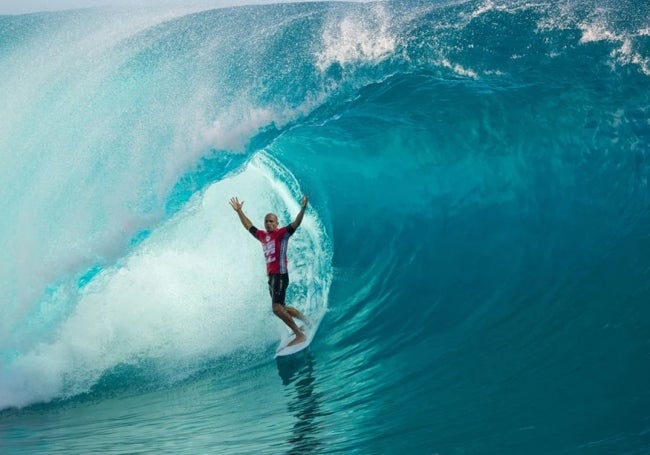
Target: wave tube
(193, 291)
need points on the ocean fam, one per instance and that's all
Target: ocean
(475, 253)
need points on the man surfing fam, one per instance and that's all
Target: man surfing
(274, 243)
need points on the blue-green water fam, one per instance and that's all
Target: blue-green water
(475, 252)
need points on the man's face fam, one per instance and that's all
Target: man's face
(270, 222)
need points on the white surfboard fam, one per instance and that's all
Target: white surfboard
(284, 349)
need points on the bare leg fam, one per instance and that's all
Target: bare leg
(280, 311)
(296, 314)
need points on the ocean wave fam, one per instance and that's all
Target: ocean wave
(478, 181)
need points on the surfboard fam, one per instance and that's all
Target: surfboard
(284, 349)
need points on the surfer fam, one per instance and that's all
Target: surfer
(274, 242)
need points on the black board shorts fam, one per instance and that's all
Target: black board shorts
(278, 283)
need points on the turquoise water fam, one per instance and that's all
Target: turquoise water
(475, 251)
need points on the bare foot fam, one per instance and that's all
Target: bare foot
(299, 339)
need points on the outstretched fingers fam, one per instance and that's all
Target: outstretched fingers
(235, 204)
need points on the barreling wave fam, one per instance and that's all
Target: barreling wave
(478, 178)
(184, 296)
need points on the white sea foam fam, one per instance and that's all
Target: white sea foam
(625, 53)
(592, 32)
(487, 7)
(238, 123)
(356, 39)
(233, 132)
(458, 69)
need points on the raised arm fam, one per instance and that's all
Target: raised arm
(237, 207)
(298, 219)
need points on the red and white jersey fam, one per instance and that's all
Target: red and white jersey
(274, 245)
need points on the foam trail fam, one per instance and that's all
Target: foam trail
(194, 290)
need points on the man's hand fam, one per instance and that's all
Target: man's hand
(303, 206)
(236, 205)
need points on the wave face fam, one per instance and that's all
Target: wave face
(475, 251)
